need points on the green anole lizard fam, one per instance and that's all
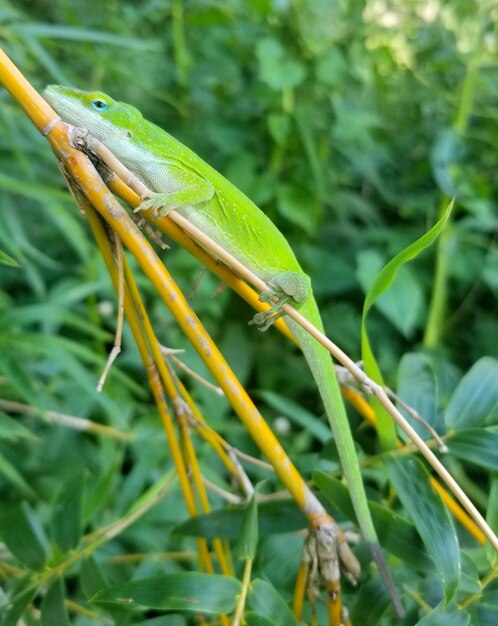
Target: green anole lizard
(181, 180)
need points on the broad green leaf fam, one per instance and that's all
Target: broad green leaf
(67, 513)
(418, 388)
(297, 414)
(265, 600)
(163, 620)
(92, 577)
(475, 400)
(248, 540)
(5, 259)
(396, 534)
(431, 519)
(274, 518)
(186, 591)
(485, 616)
(371, 602)
(254, 619)
(445, 616)
(383, 281)
(22, 532)
(17, 597)
(276, 69)
(53, 609)
(477, 445)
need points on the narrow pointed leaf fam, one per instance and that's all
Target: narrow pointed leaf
(5, 259)
(274, 518)
(92, 577)
(265, 600)
(188, 591)
(248, 541)
(21, 530)
(67, 513)
(12, 474)
(475, 400)
(53, 609)
(477, 445)
(14, 602)
(431, 518)
(445, 616)
(383, 281)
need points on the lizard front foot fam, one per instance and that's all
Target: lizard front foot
(158, 203)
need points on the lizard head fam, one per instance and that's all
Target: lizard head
(94, 111)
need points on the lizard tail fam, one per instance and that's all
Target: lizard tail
(322, 369)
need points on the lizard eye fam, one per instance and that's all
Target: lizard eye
(99, 105)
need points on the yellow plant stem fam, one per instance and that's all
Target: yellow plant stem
(179, 408)
(144, 337)
(300, 590)
(241, 602)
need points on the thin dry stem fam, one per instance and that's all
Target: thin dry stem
(119, 326)
(77, 423)
(443, 448)
(223, 493)
(202, 381)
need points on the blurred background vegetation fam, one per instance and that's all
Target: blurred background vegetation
(351, 124)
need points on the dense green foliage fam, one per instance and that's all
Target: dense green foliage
(351, 124)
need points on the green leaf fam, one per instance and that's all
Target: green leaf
(396, 534)
(372, 601)
(298, 206)
(492, 511)
(13, 476)
(12, 429)
(477, 445)
(67, 513)
(417, 387)
(475, 400)
(447, 152)
(265, 600)
(445, 616)
(5, 259)
(384, 280)
(255, 619)
(186, 591)
(431, 518)
(92, 577)
(163, 620)
(22, 532)
(402, 305)
(297, 414)
(53, 609)
(276, 69)
(248, 541)
(18, 595)
(274, 518)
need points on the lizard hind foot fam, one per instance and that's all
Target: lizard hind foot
(265, 319)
